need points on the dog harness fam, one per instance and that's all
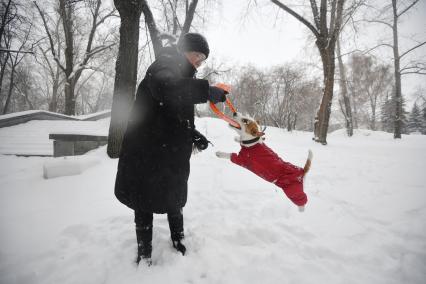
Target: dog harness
(264, 162)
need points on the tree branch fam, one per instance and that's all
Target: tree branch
(420, 72)
(100, 49)
(52, 47)
(408, 8)
(175, 17)
(314, 8)
(83, 65)
(15, 51)
(418, 68)
(297, 16)
(189, 16)
(339, 18)
(323, 18)
(365, 51)
(110, 14)
(380, 22)
(332, 16)
(153, 31)
(411, 49)
(3, 21)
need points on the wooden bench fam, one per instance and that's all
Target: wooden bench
(75, 144)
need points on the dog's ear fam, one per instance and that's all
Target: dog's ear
(254, 130)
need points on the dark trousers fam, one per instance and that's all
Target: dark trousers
(144, 220)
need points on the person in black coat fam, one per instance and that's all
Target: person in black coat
(153, 167)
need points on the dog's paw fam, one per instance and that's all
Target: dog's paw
(223, 155)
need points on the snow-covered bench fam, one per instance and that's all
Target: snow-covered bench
(75, 144)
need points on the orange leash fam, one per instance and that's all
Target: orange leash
(220, 114)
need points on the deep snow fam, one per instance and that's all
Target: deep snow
(364, 221)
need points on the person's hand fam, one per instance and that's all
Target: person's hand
(216, 95)
(199, 140)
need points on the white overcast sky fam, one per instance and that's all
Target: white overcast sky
(266, 36)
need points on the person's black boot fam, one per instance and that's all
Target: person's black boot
(144, 239)
(176, 230)
(177, 243)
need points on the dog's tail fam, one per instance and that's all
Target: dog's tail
(308, 163)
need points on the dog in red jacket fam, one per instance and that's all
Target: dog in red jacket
(261, 160)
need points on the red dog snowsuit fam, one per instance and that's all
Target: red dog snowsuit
(264, 162)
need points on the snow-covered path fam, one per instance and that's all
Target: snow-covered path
(365, 221)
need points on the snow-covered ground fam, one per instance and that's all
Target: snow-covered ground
(365, 221)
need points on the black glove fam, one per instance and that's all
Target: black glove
(200, 141)
(216, 95)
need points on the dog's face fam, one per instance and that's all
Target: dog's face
(250, 128)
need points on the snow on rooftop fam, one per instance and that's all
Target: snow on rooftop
(21, 113)
(86, 116)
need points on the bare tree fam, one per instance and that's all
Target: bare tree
(285, 102)
(344, 101)
(26, 94)
(251, 92)
(18, 29)
(50, 66)
(281, 96)
(73, 68)
(326, 27)
(369, 82)
(413, 67)
(375, 87)
(96, 101)
(6, 16)
(310, 98)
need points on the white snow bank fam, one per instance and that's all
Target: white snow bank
(364, 221)
(68, 166)
(32, 138)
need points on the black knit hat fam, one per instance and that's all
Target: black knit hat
(194, 42)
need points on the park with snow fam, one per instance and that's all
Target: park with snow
(364, 221)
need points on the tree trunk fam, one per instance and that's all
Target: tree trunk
(126, 72)
(344, 92)
(327, 56)
(11, 84)
(355, 114)
(67, 22)
(4, 19)
(373, 119)
(3, 69)
(53, 104)
(69, 98)
(398, 91)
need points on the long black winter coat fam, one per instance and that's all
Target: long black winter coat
(153, 167)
